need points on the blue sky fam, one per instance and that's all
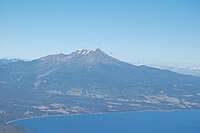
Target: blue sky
(160, 32)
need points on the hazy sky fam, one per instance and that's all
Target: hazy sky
(162, 32)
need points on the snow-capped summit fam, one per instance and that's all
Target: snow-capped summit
(82, 51)
(85, 51)
(79, 56)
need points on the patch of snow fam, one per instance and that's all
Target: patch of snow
(85, 51)
(80, 49)
(88, 51)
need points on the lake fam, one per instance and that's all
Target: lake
(184, 121)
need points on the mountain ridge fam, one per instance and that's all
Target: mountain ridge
(64, 58)
(90, 82)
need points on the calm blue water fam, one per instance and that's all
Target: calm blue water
(187, 121)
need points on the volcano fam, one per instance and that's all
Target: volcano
(90, 81)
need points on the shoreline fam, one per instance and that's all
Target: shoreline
(9, 122)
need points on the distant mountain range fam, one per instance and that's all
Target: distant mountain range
(186, 70)
(90, 82)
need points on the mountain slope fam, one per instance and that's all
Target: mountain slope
(91, 82)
